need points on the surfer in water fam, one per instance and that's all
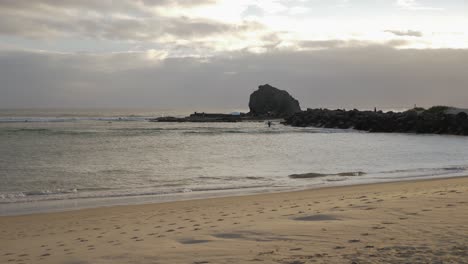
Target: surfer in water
(269, 123)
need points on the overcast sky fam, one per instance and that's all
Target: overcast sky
(214, 53)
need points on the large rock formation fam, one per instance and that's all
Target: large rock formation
(273, 102)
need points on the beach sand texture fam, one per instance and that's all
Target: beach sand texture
(404, 222)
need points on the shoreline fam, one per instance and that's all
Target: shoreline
(412, 221)
(246, 195)
(78, 204)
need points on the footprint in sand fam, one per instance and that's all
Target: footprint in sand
(295, 249)
(412, 214)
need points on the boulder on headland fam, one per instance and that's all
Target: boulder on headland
(273, 102)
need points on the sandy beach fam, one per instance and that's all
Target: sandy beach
(403, 222)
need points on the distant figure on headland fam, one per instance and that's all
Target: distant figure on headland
(269, 123)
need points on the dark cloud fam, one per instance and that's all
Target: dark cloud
(363, 76)
(401, 33)
(324, 44)
(99, 6)
(333, 44)
(178, 2)
(113, 20)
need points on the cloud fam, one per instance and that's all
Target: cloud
(133, 22)
(359, 76)
(415, 5)
(122, 20)
(100, 6)
(253, 11)
(411, 33)
(334, 44)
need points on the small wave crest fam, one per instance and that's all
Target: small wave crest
(69, 119)
(425, 172)
(18, 196)
(390, 174)
(257, 131)
(99, 193)
(320, 175)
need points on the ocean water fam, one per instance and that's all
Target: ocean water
(65, 159)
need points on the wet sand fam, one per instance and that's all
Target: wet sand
(405, 222)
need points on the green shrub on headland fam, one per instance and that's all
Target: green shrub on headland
(438, 109)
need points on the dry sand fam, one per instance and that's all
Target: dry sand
(406, 222)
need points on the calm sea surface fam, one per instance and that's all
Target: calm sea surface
(59, 160)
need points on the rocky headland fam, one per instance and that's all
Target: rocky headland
(269, 102)
(435, 120)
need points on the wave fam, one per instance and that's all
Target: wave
(97, 193)
(107, 132)
(391, 174)
(146, 131)
(319, 175)
(254, 178)
(423, 172)
(283, 130)
(70, 119)
(5, 197)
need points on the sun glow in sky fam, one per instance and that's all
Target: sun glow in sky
(237, 41)
(207, 26)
